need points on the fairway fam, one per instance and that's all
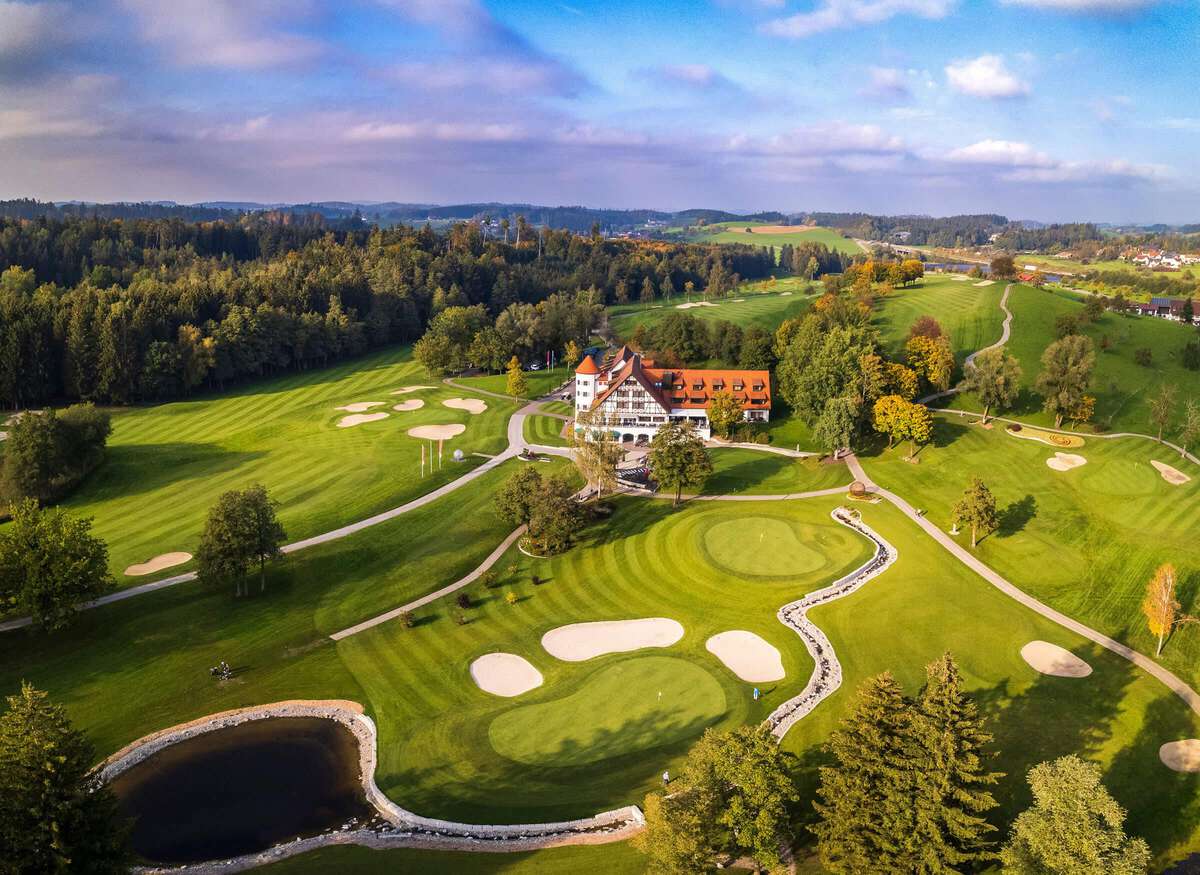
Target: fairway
(1120, 385)
(635, 705)
(166, 465)
(545, 430)
(764, 310)
(969, 314)
(738, 471)
(761, 234)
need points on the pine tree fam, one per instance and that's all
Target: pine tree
(951, 790)
(866, 815)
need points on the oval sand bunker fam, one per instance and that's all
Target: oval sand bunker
(1172, 475)
(437, 432)
(1065, 461)
(1182, 756)
(408, 389)
(747, 655)
(158, 563)
(1054, 660)
(411, 404)
(580, 641)
(359, 418)
(505, 674)
(360, 406)
(471, 405)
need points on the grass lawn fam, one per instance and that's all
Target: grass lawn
(539, 382)
(167, 464)
(1085, 541)
(751, 472)
(618, 859)
(1117, 717)
(566, 408)
(970, 314)
(545, 430)
(762, 309)
(734, 232)
(1120, 385)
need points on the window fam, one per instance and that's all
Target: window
(738, 386)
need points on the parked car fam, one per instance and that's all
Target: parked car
(535, 366)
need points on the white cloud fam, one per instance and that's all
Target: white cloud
(985, 76)
(840, 14)
(887, 83)
(23, 26)
(436, 131)
(1003, 152)
(1086, 6)
(241, 34)
(1021, 162)
(826, 138)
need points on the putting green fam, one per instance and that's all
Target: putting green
(759, 546)
(635, 705)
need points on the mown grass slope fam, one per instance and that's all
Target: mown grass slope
(970, 314)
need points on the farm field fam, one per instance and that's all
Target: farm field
(167, 464)
(762, 234)
(1120, 385)
(1085, 541)
(970, 314)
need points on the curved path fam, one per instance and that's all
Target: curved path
(1167, 678)
(1005, 333)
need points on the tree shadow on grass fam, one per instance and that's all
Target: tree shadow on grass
(947, 430)
(1163, 805)
(1016, 516)
(1051, 718)
(134, 469)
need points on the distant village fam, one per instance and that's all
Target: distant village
(1159, 259)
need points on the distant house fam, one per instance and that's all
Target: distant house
(636, 397)
(1165, 308)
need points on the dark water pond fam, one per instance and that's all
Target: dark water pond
(243, 789)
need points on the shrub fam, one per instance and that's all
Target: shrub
(461, 618)
(537, 581)
(1143, 356)
(406, 619)
(463, 600)
(489, 579)
(510, 597)
(1191, 355)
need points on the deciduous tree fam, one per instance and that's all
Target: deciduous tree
(1066, 373)
(1162, 407)
(678, 458)
(1074, 826)
(55, 814)
(724, 412)
(932, 359)
(903, 420)
(837, 425)
(515, 383)
(241, 530)
(1003, 267)
(1190, 429)
(596, 450)
(1160, 606)
(977, 508)
(995, 377)
(50, 563)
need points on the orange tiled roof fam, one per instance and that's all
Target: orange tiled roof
(691, 388)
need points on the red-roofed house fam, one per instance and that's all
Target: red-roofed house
(636, 397)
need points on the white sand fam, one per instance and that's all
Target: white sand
(1065, 461)
(785, 294)
(959, 278)
(158, 563)
(1054, 660)
(986, 283)
(736, 300)
(411, 404)
(580, 641)
(360, 406)
(747, 655)
(359, 419)
(1172, 475)
(505, 674)
(696, 304)
(471, 405)
(437, 432)
(1182, 756)
(3, 435)
(408, 389)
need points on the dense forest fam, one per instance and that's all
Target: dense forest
(114, 311)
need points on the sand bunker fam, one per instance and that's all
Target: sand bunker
(1054, 660)
(690, 306)
(736, 300)
(359, 419)
(747, 655)
(785, 294)
(3, 435)
(408, 389)
(1172, 475)
(986, 283)
(158, 563)
(437, 432)
(505, 674)
(1065, 461)
(959, 278)
(471, 405)
(411, 404)
(1182, 756)
(360, 406)
(580, 641)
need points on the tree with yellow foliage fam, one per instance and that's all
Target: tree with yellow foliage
(1159, 606)
(932, 359)
(903, 420)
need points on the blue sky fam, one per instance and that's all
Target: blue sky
(1044, 109)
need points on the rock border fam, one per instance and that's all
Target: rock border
(403, 828)
(827, 673)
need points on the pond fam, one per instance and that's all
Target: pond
(243, 789)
